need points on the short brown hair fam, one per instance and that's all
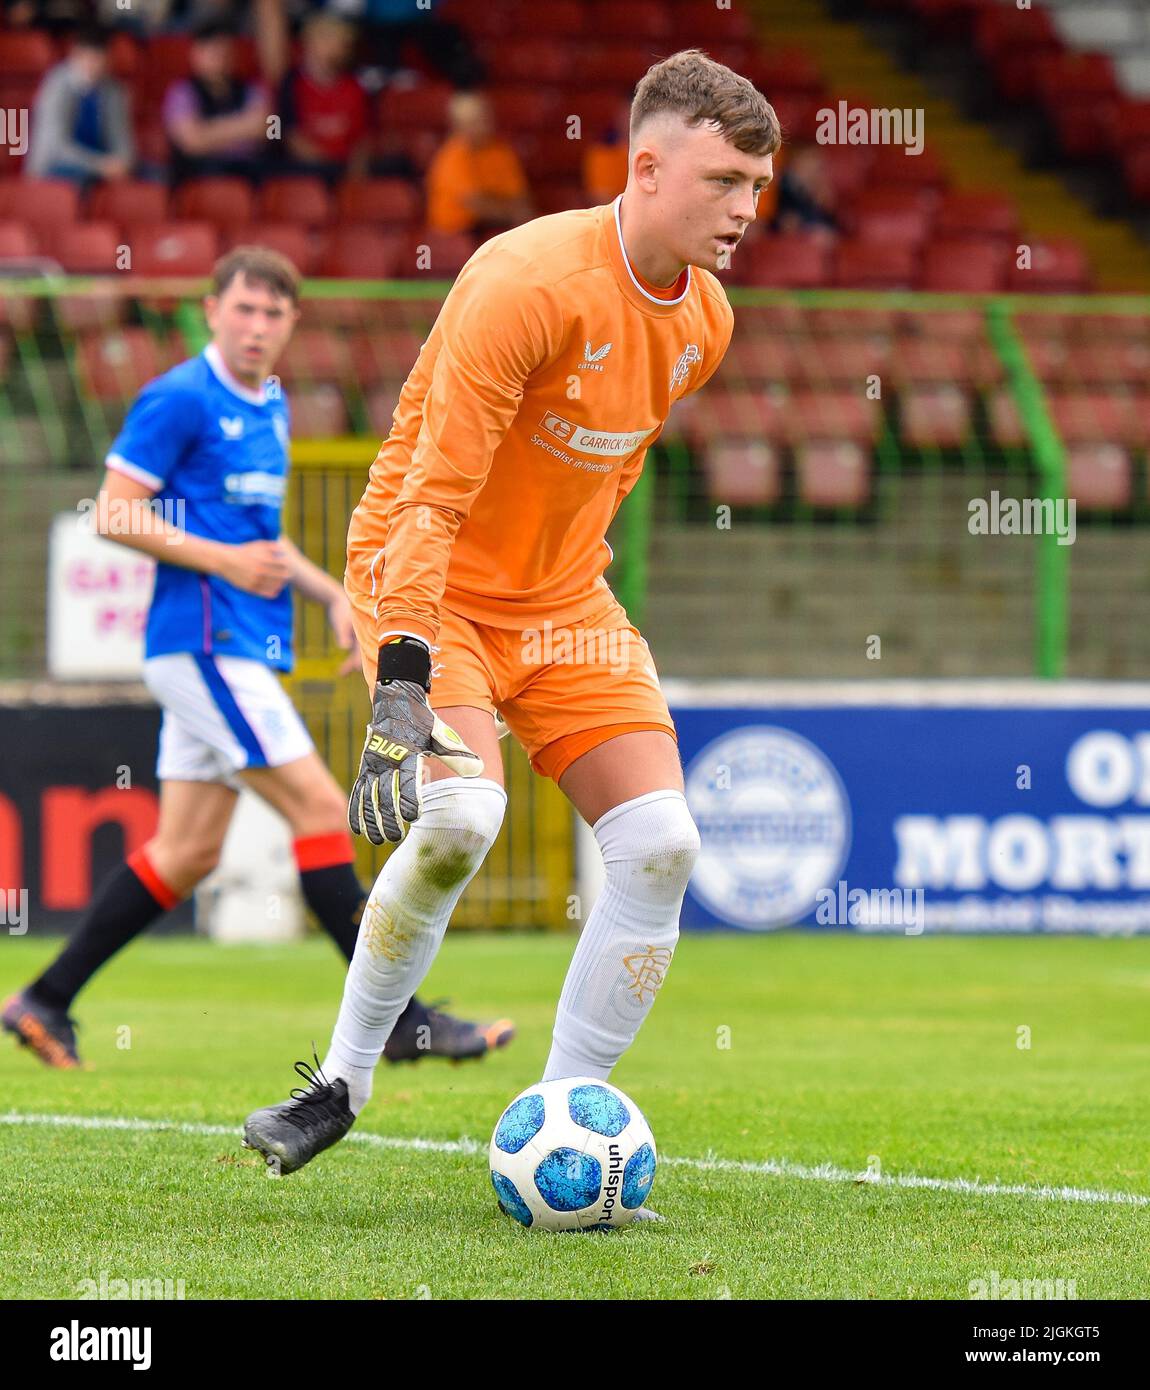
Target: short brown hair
(693, 86)
(258, 263)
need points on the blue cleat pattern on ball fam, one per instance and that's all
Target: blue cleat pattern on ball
(521, 1122)
(598, 1109)
(568, 1180)
(638, 1176)
(510, 1201)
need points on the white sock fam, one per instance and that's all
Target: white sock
(649, 846)
(405, 919)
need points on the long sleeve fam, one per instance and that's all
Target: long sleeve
(495, 331)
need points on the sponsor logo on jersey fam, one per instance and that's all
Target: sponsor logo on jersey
(687, 357)
(255, 487)
(593, 360)
(232, 427)
(603, 443)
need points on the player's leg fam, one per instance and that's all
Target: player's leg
(601, 729)
(193, 820)
(412, 900)
(306, 794)
(630, 791)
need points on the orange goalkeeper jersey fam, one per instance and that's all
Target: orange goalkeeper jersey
(523, 425)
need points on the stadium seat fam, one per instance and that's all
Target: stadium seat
(380, 402)
(381, 355)
(316, 355)
(523, 107)
(1100, 477)
(536, 58)
(985, 214)
(1095, 417)
(1056, 267)
(228, 202)
(892, 167)
(872, 265)
(742, 472)
(304, 200)
(287, 238)
(937, 415)
(422, 108)
(17, 242)
(737, 414)
(952, 325)
(130, 202)
(318, 412)
(840, 360)
(361, 253)
(387, 203)
(104, 307)
(1109, 364)
(965, 265)
(893, 216)
(833, 414)
(638, 20)
(26, 52)
(175, 248)
(87, 248)
(788, 260)
(833, 473)
(436, 255)
(40, 202)
(115, 366)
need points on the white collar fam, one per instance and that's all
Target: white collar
(225, 378)
(654, 298)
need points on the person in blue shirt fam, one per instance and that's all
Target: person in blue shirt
(196, 479)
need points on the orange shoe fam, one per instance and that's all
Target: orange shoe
(49, 1032)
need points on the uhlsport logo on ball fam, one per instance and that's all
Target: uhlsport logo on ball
(774, 820)
(572, 1155)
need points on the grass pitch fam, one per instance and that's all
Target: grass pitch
(808, 1059)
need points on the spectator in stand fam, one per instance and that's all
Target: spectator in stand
(475, 182)
(605, 162)
(58, 16)
(216, 122)
(389, 27)
(80, 125)
(326, 119)
(805, 196)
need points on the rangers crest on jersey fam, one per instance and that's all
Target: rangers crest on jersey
(689, 355)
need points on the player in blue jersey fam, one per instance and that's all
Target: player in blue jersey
(207, 445)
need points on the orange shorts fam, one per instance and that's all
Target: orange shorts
(561, 690)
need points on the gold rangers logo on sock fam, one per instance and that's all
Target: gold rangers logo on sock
(647, 970)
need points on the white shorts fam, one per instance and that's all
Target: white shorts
(221, 714)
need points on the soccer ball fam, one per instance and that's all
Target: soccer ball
(572, 1155)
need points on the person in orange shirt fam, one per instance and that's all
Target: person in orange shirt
(605, 164)
(475, 182)
(475, 571)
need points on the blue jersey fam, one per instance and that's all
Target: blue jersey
(199, 437)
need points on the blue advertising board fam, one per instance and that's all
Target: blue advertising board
(911, 806)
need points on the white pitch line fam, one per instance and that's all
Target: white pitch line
(771, 1167)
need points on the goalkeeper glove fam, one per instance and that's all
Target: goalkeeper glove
(404, 729)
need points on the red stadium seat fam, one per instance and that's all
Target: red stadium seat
(986, 214)
(736, 414)
(26, 52)
(789, 260)
(361, 253)
(289, 240)
(115, 366)
(175, 248)
(894, 168)
(533, 58)
(1063, 77)
(228, 202)
(385, 202)
(846, 167)
(965, 265)
(1100, 477)
(316, 355)
(871, 265)
(1056, 267)
(130, 202)
(893, 215)
(1109, 364)
(742, 472)
(303, 200)
(436, 255)
(934, 416)
(1095, 417)
(833, 414)
(1136, 171)
(380, 355)
(104, 307)
(833, 473)
(17, 242)
(638, 20)
(526, 107)
(318, 412)
(415, 108)
(840, 360)
(87, 248)
(41, 202)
